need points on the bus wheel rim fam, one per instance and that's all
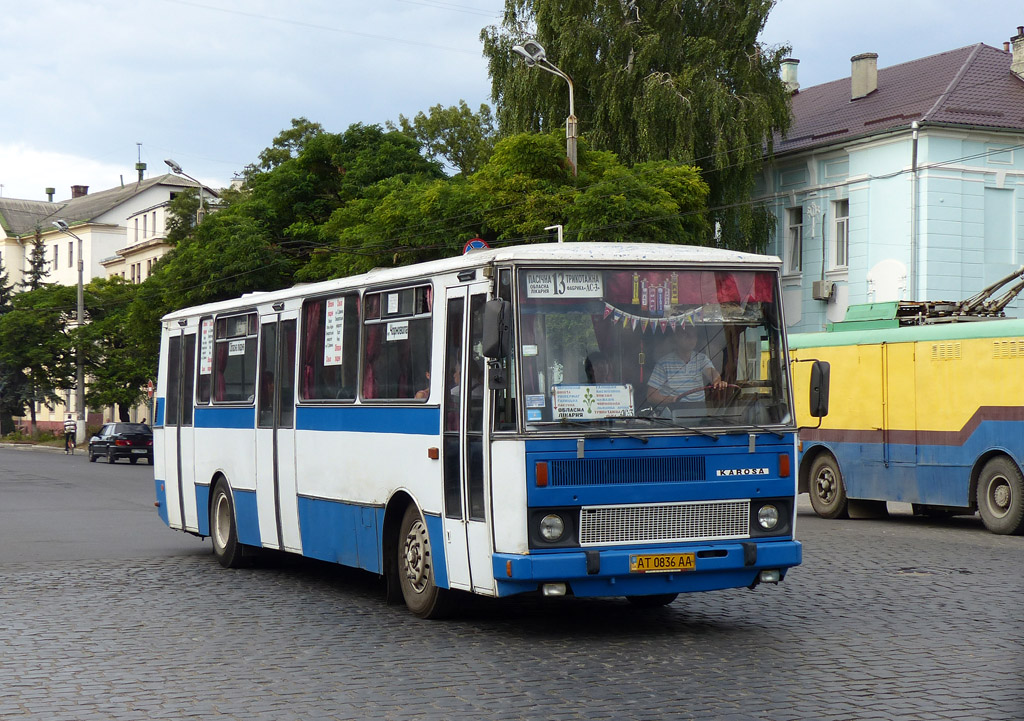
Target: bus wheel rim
(417, 555)
(999, 496)
(221, 522)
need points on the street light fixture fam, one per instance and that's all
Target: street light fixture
(532, 52)
(175, 168)
(79, 367)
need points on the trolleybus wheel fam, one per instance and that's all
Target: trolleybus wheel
(223, 532)
(1001, 496)
(416, 569)
(655, 601)
(826, 488)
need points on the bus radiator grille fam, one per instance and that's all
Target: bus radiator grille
(664, 522)
(613, 471)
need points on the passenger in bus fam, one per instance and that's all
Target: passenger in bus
(598, 368)
(424, 392)
(683, 370)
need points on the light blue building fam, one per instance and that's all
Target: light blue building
(905, 183)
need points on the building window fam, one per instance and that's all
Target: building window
(154, 222)
(55, 251)
(71, 254)
(136, 230)
(145, 233)
(841, 242)
(794, 240)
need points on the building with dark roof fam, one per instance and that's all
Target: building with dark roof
(900, 183)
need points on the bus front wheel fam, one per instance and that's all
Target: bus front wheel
(416, 569)
(1001, 496)
(826, 488)
(223, 531)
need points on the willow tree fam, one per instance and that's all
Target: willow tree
(686, 81)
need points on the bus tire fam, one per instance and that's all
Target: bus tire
(826, 488)
(223, 530)
(656, 600)
(416, 569)
(1001, 497)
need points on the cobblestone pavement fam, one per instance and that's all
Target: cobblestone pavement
(902, 618)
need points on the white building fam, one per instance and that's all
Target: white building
(123, 232)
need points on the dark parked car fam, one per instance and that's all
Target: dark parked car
(122, 440)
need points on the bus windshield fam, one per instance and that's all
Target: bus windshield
(651, 348)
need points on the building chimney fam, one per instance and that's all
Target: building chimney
(49, 194)
(79, 191)
(864, 78)
(1017, 66)
(789, 66)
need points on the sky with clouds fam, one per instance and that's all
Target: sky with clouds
(92, 86)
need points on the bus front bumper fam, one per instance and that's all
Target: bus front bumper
(607, 572)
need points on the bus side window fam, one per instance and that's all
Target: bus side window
(234, 367)
(397, 342)
(329, 348)
(505, 400)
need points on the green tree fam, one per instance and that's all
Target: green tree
(12, 380)
(526, 186)
(117, 371)
(684, 81)
(35, 337)
(288, 144)
(35, 275)
(455, 135)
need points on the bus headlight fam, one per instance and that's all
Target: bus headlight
(768, 516)
(552, 527)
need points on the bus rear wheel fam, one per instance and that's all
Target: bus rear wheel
(416, 569)
(223, 531)
(1001, 497)
(826, 488)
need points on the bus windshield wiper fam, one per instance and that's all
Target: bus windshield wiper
(666, 422)
(764, 429)
(589, 425)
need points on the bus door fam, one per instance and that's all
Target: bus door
(179, 438)
(276, 499)
(466, 531)
(899, 383)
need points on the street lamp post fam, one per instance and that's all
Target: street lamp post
(533, 53)
(79, 366)
(175, 168)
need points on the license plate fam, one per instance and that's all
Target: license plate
(138, 450)
(661, 562)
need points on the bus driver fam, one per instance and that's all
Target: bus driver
(684, 369)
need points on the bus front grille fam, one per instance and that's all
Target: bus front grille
(664, 522)
(599, 471)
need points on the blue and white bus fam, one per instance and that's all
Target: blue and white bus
(485, 424)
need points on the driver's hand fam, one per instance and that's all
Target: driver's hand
(719, 384)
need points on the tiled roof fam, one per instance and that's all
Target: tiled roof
(20, 217)
(970, 86)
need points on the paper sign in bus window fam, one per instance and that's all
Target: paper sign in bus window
(398, 331)
(334, 322)
(236, 347)
(564, 284)
(206, 347)
(582, 402)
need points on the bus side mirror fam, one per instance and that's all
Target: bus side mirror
(497, 339)
(819, 389)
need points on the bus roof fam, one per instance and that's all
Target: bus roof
(995, 328)
(552, 253)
